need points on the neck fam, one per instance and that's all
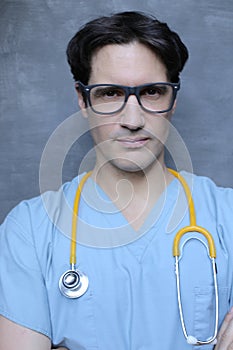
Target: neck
(134, 193)
(156, 176)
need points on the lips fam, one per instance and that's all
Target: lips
(133, 142)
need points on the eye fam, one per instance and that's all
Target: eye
(154, 91)
(108, 92)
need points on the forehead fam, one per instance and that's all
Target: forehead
(133, 62)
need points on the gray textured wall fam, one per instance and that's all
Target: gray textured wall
(36, 88)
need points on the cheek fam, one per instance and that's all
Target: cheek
(100, 133)
(101, 128)
(160, 127)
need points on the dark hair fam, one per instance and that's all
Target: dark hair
(124, 28)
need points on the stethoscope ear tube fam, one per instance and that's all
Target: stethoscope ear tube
(212, 255)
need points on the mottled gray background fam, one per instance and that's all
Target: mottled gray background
(37, 94)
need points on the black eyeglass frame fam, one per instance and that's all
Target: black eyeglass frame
(129, 90)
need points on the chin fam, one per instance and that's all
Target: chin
(131, 166)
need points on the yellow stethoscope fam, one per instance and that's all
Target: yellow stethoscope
(74, 283)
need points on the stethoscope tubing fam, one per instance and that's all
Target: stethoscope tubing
(74, 283)
(191, 339)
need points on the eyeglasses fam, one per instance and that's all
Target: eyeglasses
(108, 99)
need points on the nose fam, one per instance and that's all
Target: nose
(132, 116)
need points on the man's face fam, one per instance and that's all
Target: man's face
(130, 140)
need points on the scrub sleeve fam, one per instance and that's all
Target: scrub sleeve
(23, 297)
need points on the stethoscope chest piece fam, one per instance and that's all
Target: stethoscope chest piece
(73, 283)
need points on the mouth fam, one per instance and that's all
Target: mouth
(133, 142)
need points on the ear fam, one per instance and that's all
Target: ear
(81, 103)
(172, 111)
(174, 107)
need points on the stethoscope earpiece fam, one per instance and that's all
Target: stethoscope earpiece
(73, 283)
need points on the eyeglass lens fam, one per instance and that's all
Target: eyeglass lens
(153, 98)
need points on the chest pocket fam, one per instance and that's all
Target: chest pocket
(204, 312)
(74, 323)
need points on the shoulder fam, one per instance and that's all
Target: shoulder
(211, 198)
(204, 186)
(42, 211)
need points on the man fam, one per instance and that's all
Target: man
(126, 69)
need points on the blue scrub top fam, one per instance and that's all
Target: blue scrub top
(131, 302)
